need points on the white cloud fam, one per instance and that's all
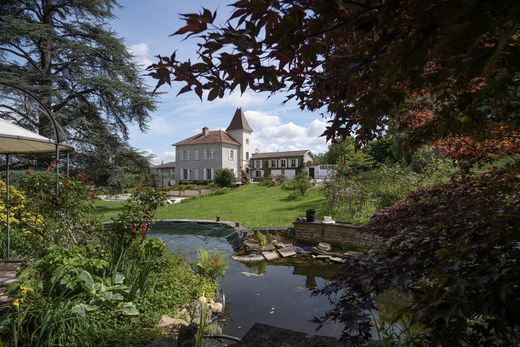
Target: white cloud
(271, 134)
(162, 157)
(141, 52)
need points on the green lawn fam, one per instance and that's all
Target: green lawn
(251, 205)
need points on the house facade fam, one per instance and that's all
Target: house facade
(200, 156)
(280, 163)
(165, 174)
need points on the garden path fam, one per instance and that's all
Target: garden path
(7, 276)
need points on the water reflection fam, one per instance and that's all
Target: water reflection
(276, 293)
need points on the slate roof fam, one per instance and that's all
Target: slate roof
(279, 154)
(213, 136)
(239, 122)
(168, 165)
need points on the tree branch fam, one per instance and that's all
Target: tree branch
(22, 54)
(70, 97)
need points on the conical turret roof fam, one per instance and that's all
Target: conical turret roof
(239, 122)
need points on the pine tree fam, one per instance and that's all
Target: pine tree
(65, 53)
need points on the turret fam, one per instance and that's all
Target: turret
(241, 131)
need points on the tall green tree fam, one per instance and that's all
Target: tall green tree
(64, 52)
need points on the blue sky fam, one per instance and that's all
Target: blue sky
(145, 27)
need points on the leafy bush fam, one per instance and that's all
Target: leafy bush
(261, 238)
(454, 249)
(131, 227)
(225, 178)
(211, 263)
(355, 198)
(68, 215)
(299, 184)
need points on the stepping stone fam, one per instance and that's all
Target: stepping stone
(323, 256)
(286, 252)
(269, 247)
(337, 260)
(270, 255)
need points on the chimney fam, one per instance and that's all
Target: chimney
(205, 131)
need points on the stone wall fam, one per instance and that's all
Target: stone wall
(335, 233)
(189, 192)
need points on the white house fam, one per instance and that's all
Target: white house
(280, 163)
(199, 156)
(165, 174)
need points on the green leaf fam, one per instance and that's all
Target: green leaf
(129, 309)
(119, 278)
(87, 279)
(79, 309)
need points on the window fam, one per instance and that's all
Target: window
(283, 163)
(185, 174)
(247, 155)
(258, 163)
(209, 153)
(196, 154)
(247, 141)
(258, 173)
(231, 154)
(294, 162)
(273, 163)
(209, 174)
(185, 155)
(196, 174)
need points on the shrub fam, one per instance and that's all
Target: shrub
(454, 249)
(261, 238)
(68, 215)
(299, 184)
(211, 263)
(131, 226)
(355, 198)
(225, 178)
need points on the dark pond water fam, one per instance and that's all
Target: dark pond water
(273, 293)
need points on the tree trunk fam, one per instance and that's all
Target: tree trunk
(45, 127)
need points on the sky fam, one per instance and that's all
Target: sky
(145, 27)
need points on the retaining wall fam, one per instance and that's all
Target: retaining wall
(189, 192)
(335, 233)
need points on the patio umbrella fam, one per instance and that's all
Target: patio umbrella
(17, 140)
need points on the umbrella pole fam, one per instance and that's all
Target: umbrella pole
(7, 205)
(57, 169)
(67, 164)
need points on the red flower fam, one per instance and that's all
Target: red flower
(29, 173)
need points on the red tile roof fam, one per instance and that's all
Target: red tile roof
(213, 136)
(168, 165)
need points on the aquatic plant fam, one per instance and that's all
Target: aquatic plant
(211, 263)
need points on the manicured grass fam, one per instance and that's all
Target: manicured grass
(251, 205)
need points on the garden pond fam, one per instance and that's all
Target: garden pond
(276, 293)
